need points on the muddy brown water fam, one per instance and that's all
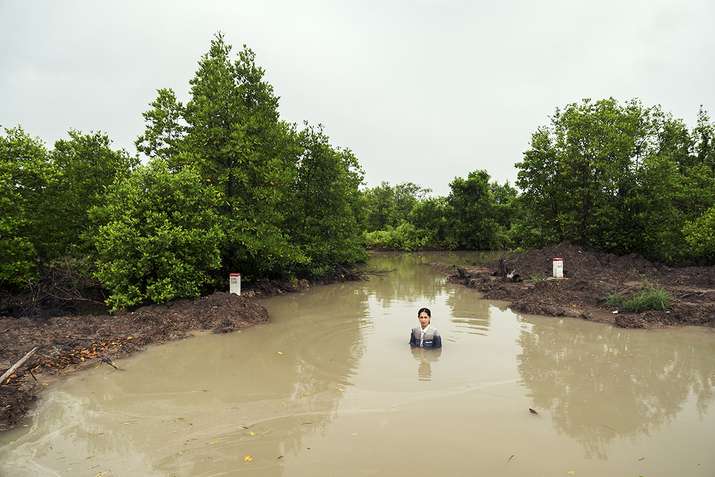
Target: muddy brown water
(331, 387)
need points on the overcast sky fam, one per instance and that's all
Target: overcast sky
(421, 91)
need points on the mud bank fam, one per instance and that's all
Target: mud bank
(67, 343)
(589, 277)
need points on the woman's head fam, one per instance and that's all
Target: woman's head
(425, 316)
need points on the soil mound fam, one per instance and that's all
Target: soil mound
(589, 277)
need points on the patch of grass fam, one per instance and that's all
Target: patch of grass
(537, 278)
(614, 299)
(634, 271)
(649, 298)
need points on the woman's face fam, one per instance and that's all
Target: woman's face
(424, 319)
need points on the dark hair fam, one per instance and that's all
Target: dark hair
(426, 310)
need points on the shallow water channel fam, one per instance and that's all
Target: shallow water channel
(331, 387)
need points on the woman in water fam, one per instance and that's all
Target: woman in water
(425, 336)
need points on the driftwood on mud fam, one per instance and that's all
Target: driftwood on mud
(17, 365)
(111, 363)
(505, 273)
(502, 266)
(513, 276)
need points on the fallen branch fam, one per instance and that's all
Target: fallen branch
(18, 364)
(110, 362)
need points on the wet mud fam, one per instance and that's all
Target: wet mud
(589, 277)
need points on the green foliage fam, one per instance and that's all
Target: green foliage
(649, 298)
(476, 215)
(326, 204)
(429, 215)
(404, 237)
(619, 178)
(166, 128)
(45, 198)
(159, 236)
(229, 133)
(85, 166)
(614, 299)
(700, 235)
(472, 221)
(289, 200)
(390, 206)
(506, 206)
(25, 173)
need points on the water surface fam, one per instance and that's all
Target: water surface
(331, 387)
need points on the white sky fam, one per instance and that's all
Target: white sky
(421, 91)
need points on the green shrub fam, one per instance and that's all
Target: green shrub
(404, 237)
(649, 298)
(159, 237)
(614, 299)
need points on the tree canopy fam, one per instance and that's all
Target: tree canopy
(619, 178)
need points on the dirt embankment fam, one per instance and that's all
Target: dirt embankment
(67, 343)
(589, 278)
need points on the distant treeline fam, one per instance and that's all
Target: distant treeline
(610, 177)
(229, 187)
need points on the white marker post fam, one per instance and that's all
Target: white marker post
(235, 281)
(558, 267)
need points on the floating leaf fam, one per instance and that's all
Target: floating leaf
(341, 390)
(248, 458)
(279, 457)
(266, 432)
(179, 418)
(305, 394)
(571, 472)
(253, 433)
(283, 404)
(212, 443)
(354, 434)
(585, 400)
(280, 352)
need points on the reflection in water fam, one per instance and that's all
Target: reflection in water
(612, 384)
(417, 283)
(425, 358)
(468, 317)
